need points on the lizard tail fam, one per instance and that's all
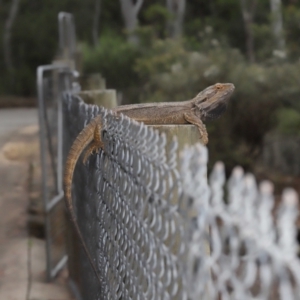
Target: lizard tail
(84, 138)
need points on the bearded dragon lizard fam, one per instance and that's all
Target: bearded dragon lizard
(207, 105)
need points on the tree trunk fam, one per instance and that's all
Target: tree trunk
(7, 51)
(277, 25)
(177, 10)
(130, 12)
(95, 31)
(248, 8)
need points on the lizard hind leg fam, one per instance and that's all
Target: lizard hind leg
(95, 145)
(193, 119)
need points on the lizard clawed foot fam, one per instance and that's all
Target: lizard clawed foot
(93, 148)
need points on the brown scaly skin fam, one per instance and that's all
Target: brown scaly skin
(207, 105)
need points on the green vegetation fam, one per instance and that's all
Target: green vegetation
(114, 58)
(212, 49)
(288, 121)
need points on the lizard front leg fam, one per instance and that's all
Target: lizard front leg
(193, 119)
(95, 145)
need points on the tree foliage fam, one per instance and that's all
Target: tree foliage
(34, 33)
(212, 49)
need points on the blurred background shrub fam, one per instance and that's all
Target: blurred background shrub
(160, 52)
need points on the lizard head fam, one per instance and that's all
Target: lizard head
(212, 102)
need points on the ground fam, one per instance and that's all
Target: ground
(22, 258)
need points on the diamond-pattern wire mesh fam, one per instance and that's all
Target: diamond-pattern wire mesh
(124, 198)
(250, 256)
(145, 249)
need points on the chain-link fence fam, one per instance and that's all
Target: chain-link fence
(155, 233)
(137, 244)
(250, 255)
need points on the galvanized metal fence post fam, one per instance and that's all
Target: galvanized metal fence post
(52, 197)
